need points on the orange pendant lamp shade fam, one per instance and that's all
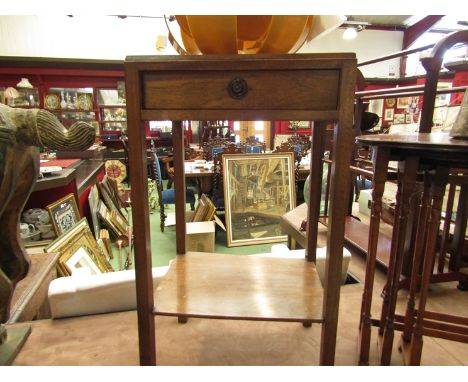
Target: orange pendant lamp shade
(245, 34)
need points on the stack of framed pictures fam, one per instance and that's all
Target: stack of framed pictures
(110, 218)
(205, 210)
(109, 209)
(80, 251)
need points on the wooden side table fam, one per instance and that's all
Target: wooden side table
(308, 87)
(434, 154)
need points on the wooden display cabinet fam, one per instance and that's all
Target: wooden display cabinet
(112, 111)
(28, 97)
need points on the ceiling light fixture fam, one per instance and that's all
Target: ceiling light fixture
(351, 32)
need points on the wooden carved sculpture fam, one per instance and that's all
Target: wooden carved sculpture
(22, 133)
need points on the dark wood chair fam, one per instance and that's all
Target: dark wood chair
(300, 143)
(218, 185)
(213, 146)
(286, 147)
(254, 146)
(166, 196)
(190, 154)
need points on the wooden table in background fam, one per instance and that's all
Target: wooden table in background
(434, 154)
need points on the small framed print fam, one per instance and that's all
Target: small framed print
(390, 102)
(64, 214)
(118, 222)
(85, 101)
(388, 115)
(79, 250)
(399, 118)
(52, 101)
(403, 102)
(408, 118)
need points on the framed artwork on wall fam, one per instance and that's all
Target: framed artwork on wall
(258, 190)
(52, 101)
(403, 102)
(399, 118)
(390, 102)
(64, 214)
(388, 115)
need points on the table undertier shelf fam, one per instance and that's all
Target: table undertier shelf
(209, 285)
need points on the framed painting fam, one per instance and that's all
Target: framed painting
(399, 118)
(258, 190)
(388, 115)
(390, 102)
(64, 214)
(79, 249)
(93, 200)
(52, 101)
(294, 125)
(404, 102)
(105, 215)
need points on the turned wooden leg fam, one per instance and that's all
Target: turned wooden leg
(162, 216)
(456, 260)
(417, 258)
(398, 238)
(446, 230)
(391, 262)
(380, 175)
(440, 181)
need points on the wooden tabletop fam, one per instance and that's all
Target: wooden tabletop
(240, 287)
(418, 141)
(84, 172)
(198, 173)
(31, 292)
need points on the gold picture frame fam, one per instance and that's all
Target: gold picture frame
(52, 101)
(85, 101)
(93, 201)
(258, 190)
(105, 216)
(403, 102)
(79, 249)
(64, 214)
(121, 224)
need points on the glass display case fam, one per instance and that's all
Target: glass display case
(19, 97)
(113, 119)
(71, 105)
(69, 99)
(112, 110)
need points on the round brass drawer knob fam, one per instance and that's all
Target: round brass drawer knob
(238, 88)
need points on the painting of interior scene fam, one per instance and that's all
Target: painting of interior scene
(259, 189)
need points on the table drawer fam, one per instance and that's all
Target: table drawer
(311, 89)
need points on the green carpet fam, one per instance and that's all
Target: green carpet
(163, 244)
